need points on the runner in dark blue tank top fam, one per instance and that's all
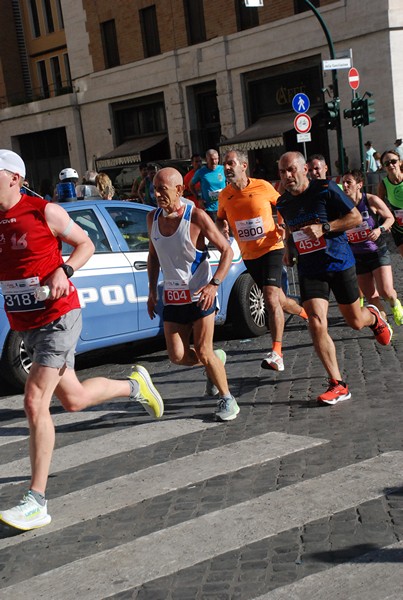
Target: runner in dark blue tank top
(317, 214)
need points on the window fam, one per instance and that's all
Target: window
(149, 31)
(36, 30)
(88, 221)
(47, 11)
(56, 73)
(110, 44)
(245, 17)
(59, 14)
(132, 225)
(301, 6)
(195, 26)
(143, 120)
(43, 78)
(67, 69)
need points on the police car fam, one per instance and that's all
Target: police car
(113, 287)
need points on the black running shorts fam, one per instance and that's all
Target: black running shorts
(343, 284)
(267, 269)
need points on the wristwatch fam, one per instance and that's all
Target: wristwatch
(68, 269)
(382, 229)
(215, 281)
(325, 227)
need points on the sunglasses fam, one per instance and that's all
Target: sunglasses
(393, 161)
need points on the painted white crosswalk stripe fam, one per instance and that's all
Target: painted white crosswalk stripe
(109, 572)
(377, 575)
(104, 446)
(166, 477)
(16, 432)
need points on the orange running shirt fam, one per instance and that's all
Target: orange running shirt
(249, 214)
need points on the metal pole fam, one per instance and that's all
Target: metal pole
(340, 147)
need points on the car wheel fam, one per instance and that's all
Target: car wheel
(247, 310)
(16, 362)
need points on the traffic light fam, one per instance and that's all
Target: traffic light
(331, 113)
(368, 111)
(361, 112)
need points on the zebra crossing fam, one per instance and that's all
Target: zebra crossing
(192, 538)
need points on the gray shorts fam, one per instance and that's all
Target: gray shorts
(54, 345)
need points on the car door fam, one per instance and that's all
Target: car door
(130, 219)
(107, 284)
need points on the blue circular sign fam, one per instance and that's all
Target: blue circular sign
(301, 103)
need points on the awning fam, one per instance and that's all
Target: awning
(267, 132)
(128, 153)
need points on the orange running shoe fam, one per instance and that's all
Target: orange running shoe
(382, 330)
(336, 392)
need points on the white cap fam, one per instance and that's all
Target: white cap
(10, 161)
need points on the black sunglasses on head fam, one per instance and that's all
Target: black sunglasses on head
(392, 161)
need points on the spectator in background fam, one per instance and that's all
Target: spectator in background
(317, 167)
(105, 187)
(146, 187)
(197, 162)
(212, 181)
(89, 178)
(46, 189)
(134, 193)
(377, 157)
(370, 162)
(399, 148)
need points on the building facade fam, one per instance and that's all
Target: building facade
(104, 85)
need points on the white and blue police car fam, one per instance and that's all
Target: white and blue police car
(113, 287)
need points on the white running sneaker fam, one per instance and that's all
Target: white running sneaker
(148, 395)
(29, 514)
(273, 361)
(227, 409)
(211, 389)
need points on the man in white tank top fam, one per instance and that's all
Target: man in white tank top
(177, 233)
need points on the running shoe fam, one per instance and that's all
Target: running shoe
(336, 392)
(148, 395)
(29, 514)
(382, 330)
(273, 361)
(211, 389)
(397, 312)
(227, 409)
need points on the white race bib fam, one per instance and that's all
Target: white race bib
(251, 229)
(19, 295)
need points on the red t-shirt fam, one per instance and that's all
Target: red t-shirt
(29, 253)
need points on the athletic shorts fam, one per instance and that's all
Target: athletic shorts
(187, 313)
(54, 345)
(369, 262)
(267, 269)
(343, 284)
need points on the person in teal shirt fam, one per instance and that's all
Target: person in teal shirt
(212, 181)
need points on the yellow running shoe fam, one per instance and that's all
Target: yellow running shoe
(148, 395)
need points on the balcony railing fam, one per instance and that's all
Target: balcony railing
(41, 93)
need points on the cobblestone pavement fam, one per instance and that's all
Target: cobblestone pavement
(291, 500)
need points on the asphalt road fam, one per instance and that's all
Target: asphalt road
(292, 500)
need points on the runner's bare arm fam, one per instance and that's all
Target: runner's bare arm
(153, 269)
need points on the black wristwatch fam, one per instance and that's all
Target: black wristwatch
(382, 229)
(215, 281)
(325, 227)
(68, 269)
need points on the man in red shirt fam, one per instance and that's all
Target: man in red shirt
(196, 164)
(32, 230)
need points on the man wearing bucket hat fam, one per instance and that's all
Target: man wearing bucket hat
(31, 230)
